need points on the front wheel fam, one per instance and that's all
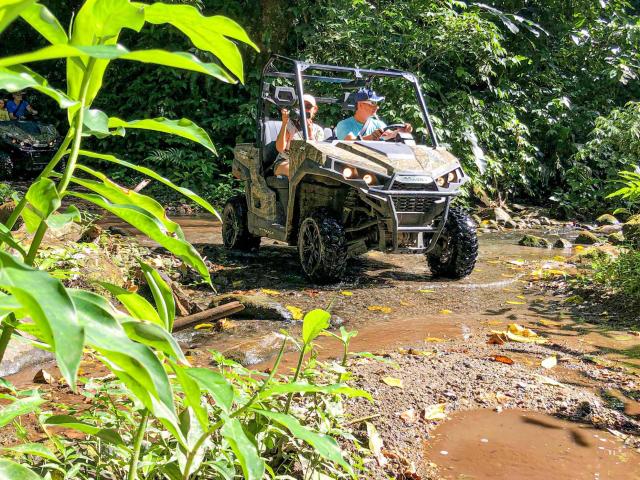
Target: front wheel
(322, 247)
(235, 228)
(456, 250)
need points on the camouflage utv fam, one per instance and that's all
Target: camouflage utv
(25, 146)
(344, 198)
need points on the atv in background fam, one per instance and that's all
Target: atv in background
(25, 147)
(344, 198)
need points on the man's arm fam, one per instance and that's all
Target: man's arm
(31, 110)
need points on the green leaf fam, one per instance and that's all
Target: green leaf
(154, 336)
(121, 195)
(40, 18)
(49, 306)
(96, 123)
(322, 444)
(192, 394)
(20, 406)
(207, 33)
(314, 322)
(7, 237)
(59, 220)
(152, 228)
(19, 77)
(14, 471)
(184, 128)
(298, 387)
(162, 295)
(11, 9)
(67, 421)
(138, 306)
(99, 21)
(35, 449)
(150, 173)
(43, 200)
(244, 449)
(53, 52)
(215, 384)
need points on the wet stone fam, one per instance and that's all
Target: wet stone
(562, 243)
(533, 241)
(616, 238)
(606, 219)
(586, 238)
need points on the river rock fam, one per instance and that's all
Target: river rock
(562, 243)
(499, 215)
(545, 221)
(476, 218)
(607, 219)
(510, 224)
(616, 238)
(533, 241)
(586, 238)
(631, 230)
(256, 306)
(607, 229)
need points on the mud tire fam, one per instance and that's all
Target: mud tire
(6, 166)
(235, 230)
(456, 251)
(322, 247)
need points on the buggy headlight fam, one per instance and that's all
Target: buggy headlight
(368, 178)
(452, 177)
(348, 172)
(440, 181)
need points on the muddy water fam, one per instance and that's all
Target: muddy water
(513, 444)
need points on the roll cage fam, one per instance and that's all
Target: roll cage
(280, 66)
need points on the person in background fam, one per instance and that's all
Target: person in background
(365, 124)
(18, 107)
(4, 114)
(289, 132)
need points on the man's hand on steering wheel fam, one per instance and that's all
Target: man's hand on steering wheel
(394, 129)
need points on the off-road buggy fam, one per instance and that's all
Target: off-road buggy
(344, 198)
(25, 146)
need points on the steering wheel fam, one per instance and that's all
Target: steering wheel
(395, 126)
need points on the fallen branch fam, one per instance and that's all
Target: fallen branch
(211, 314)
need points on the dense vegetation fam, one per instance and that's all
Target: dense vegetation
(526, 92)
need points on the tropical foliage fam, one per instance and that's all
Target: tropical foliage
(201, 422)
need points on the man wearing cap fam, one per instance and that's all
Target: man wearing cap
(365, 124)
(289, 132)
(18, 107)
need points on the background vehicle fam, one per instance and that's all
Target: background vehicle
(25, 146)
(344, 198)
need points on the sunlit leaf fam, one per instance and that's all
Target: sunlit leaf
(296, 312)
(35, 449)
(267, 291)
(108, 435)
(314, 322)
(138, 306)
(42, 20)
(376, 444)
(20, 406)
(435, 412)
(215, 384)
(19, 77)
(379, 308)
(11, 9)
(244, 449)
(393, 382)
(162, 295)
(14, 471)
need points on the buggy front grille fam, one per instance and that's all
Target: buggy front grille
(417, 203)
(413, 187)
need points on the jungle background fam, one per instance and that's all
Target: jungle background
(539, 98)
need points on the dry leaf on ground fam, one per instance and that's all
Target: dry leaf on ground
(549, 381)
(393, 382)
(296, 312)
(346, 293)
(203, 326)
(497, 339)
(515, 302)
(266, 291)
(424, 290)
(434, 340)
(445, 312)
(375, 444)
(409, 416)
(502, 359)
(435, 412)
(379, 308)
(549, 362)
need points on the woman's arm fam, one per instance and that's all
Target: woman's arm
(282, 142)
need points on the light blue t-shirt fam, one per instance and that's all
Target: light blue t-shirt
(351, 125)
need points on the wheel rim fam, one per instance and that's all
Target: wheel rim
(310, 246)
(445, 248)
(230, 226)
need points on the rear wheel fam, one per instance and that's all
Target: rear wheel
(235, 230)
(322, 247)
(6, 166)
(456, 250)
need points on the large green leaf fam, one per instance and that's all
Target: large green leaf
(192, 394)
(150, 173)
(138, 306)
(207, 33)
(184, 128)
(19, 77)
(108, 435)
(155, 337)
(7, 237)
(99, 21)
(120, 195)
(59, 220)
(162, 295)
(322, 444)
(11, 9)
(65, 51)
(152, 228)
(14, 471)
(244, 449)
(313, 324)
(43, 200)
(20, 406)
(135, 364)
(215, 384)
(40, 18)
(50, 307)
(35, 449)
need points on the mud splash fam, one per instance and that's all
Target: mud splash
(516, 444)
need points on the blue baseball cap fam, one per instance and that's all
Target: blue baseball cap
(367, 95)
